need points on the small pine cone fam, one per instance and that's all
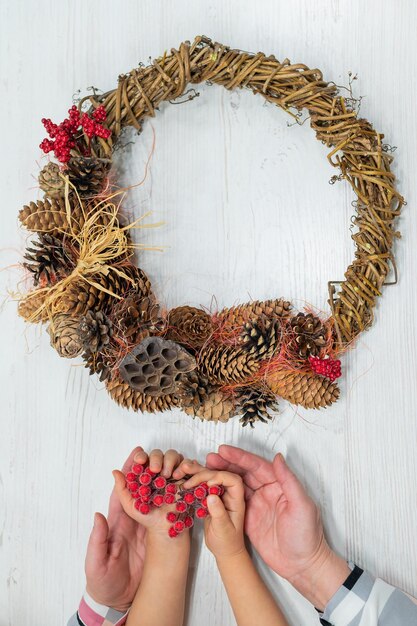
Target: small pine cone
(193, 390)
(155, 365)
(123, 394)
(49, 259)
(95, 330)
(88, 175)
(303, 388)
(80, 295)
(99, 363)
(262, 337)
(50, 216)
(223, 364)
(253, 403)
(135, 317)
(189, 325)
(216, 408)
(63, 331)
(237, 316)
(51, 181)
(309, 335)
(30, 307)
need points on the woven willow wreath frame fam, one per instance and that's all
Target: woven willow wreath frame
(99, 304)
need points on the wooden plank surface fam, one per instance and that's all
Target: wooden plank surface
(248, 213)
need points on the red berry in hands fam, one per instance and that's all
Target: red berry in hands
(171, 517)
(159, 482)
(179, 526)
(200, 492)
(171, 488)
(132, 486)
(215, 490)
(181, 506)
(188, 521)
(169, 498)
(172, 532)
(137, 468)
(158, 500)
(189, 497)
(144, 508)
(201, 513)
(145, 478)
(130, 477)
(145, 490)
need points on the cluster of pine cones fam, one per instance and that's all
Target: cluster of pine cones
(211, 365)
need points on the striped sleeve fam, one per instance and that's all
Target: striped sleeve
(365, 601)
(90, 613)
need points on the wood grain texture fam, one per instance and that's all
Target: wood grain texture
(248, 212)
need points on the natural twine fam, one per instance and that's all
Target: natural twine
(357, 149)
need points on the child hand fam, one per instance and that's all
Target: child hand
(223, 529)
(165, 464)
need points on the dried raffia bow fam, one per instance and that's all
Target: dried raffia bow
(213, 364)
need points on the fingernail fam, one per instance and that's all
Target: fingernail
(281, 457)
(95, 519)
(212, 500)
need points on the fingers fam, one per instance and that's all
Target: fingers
(97, 548)
(290, 485)
(131, 459)
(254, 470)
(217, 510)
(123, 494)
(187, 467)
(172, 459)
(234, 494)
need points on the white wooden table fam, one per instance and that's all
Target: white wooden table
(248, 213)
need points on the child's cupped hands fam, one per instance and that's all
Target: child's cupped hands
(223, 528)
(160, 463)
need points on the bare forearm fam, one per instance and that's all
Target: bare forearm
(251, 601)
(160, 598)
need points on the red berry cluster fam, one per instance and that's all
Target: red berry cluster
(330, 368)
(63, 135)
(150, 489)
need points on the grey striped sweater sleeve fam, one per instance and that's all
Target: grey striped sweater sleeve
(366, 601)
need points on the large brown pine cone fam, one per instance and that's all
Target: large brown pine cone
(261, 338)
(303, 388)
(223, 364)
(236, 316)
(193, 390)
(136, 317)
(30, 307)
(216, 408)
(81, 296)
(254, 403)
(50, 216)
(129, 398)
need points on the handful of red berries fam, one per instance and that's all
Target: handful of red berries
(151, 490)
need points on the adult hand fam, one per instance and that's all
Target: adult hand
(115, 554)
(283, 523)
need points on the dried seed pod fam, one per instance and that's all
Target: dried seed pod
(155, 366)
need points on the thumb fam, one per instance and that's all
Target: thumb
(218, 513)
(98, 543)
(289, 483)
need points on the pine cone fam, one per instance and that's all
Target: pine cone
(88, 175)
(193, 390)
(135, 317)
(127, 397)
(80, 296)
(51, 216)
(49, 260)
(189, 325)
(63, 331)
(261, 338)
(223, 364)
(29, 306)
(309, 335)
(216, 408)
(51, 181)
(253, 403)
(303, 388)
(155, 365)
(95, 330)
(237, 316)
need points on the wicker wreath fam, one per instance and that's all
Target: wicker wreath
(99, 304)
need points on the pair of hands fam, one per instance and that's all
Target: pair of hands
(281, 521)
